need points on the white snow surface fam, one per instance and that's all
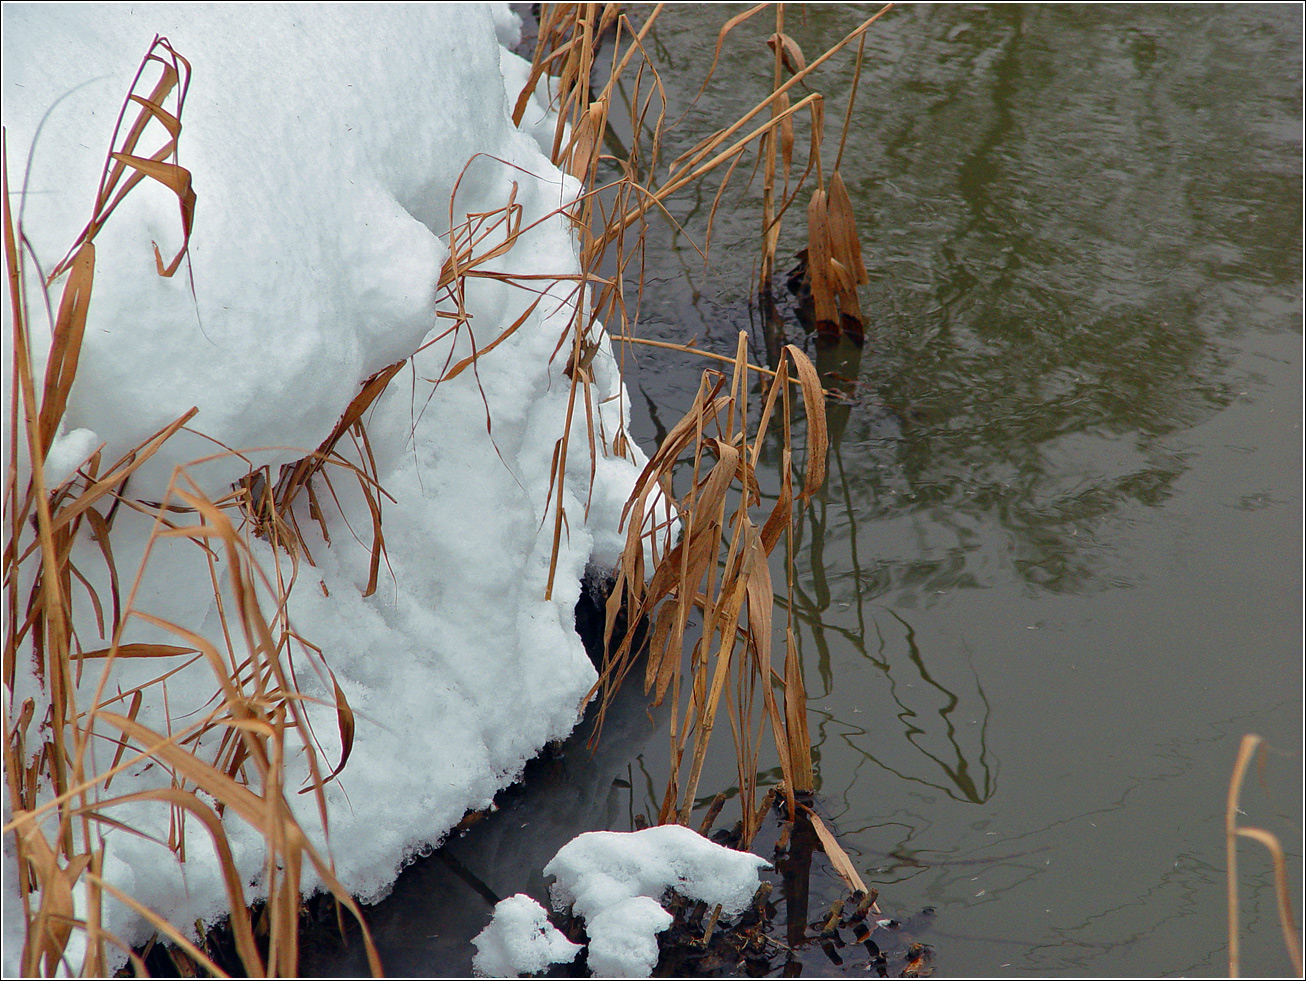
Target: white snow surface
(325, 143)
(624, 938)
(520, 940)
(616, 880)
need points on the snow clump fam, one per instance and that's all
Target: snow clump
(616, 880)
(520, 940)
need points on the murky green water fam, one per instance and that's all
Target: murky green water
(1056, 572)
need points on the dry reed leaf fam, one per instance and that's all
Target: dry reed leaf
(378, 539)
(819, 268)
(132, 711)
(786, 133)
(845, 245)
(834, 851)
(791, 55)
(800, 742)
(1281, 891)
(66, 344)
(843, 281)
(757, 585)
(582, 154)
(818, 443)
(817, 138)
(663, 656)
(846, 258)
(93, 964)
(1233, 831)
(710, 702)
(781, 514)
(345, 724)
(100, 535)
(136, 650)
(538, 71)
(49, 932)
(178, 180)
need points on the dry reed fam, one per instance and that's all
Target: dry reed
(734, 598)
(718, 569)
(1247, 749)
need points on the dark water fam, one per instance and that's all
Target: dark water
(1056, 572)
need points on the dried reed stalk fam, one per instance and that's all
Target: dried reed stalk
(1232, 832)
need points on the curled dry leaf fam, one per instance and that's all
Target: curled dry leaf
(790, 53)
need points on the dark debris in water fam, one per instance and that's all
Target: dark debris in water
(757, 944)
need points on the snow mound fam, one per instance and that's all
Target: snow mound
(615, 881)
(520, 940)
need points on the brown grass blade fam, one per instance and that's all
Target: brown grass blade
(819, 267)
(846, 247)
(799, 739)
(1282, 895)
(834, 851)
(178, 180)
(48, 935)
(818, 442)
(345, 724)
(66, 345)
(137, 650)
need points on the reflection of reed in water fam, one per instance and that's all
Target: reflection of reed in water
(947, 751)
(958, 762)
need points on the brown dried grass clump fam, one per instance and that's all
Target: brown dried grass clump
(719, 568)
(734, 598)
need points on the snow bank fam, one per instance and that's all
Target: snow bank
(615, 881)
(325, 144)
